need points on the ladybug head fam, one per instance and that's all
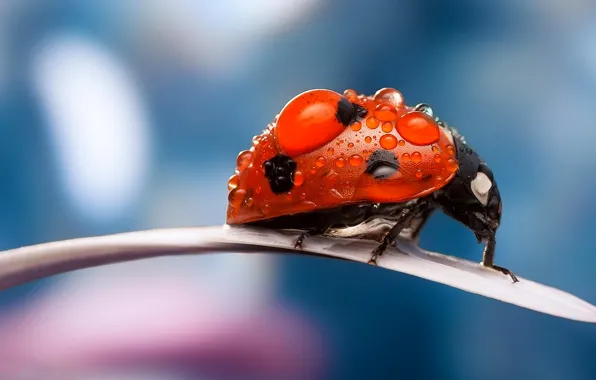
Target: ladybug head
(472, 197)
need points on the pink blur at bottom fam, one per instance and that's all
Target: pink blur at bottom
(162, 325)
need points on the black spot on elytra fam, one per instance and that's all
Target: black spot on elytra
(280, 170)
(347, 112)
(382, 164)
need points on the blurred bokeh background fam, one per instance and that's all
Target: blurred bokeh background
(126, 115)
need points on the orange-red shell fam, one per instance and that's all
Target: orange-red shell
(331, 164)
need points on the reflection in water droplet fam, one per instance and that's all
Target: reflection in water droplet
(387, 126)
(266, 209)
(450, 150)
(401, 143)
(233, 182)
(320, 162)
(390, 96)
(336, 194)
(367, 139)
(451, 165)
(416, 157)
(351, 95)
(236, 197)
(355, 160)
(372, 123)
(388, 142)
(418, 128)
(243, 160)
(405, 157)
(340, 162)
(356, 126)
(385, 112)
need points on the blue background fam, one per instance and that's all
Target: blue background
(518, 79)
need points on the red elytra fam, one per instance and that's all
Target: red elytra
(332, 159)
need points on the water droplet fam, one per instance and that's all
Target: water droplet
(356, 126)
(298, 178)
(450, 150)
(350, 94)
(233, 182)
(439, 180)
(401, 143)
(372, 123)
(390, 96)
(289, 196)
(387, 126)
(355, 160)
(385, 112)
(405, 157)
(243, 160)
(330, 151)
(367, 139)
(266, 209)
(418, 174)
(418, 128)
(303, 196)
(320, 162)
(340, 162)
(256, 140)
(313, 170)
(416, 157)
(258, 189)
(437, 158)
(435, 149)
(249, 201)
(350, 145)
(423, 107)
(388, 142)
(336, 194)
(451, 165)
(236, 197)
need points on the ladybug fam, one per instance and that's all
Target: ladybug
(360, 166)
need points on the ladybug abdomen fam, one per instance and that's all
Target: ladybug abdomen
(381, 152)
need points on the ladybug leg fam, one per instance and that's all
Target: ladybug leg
(406, 215)
(488, 259)
(303, 235)
(300, 240)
